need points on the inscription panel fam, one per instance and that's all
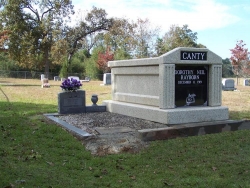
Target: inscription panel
(191, 85)
(72, 102)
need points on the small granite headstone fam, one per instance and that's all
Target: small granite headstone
(57, 78)
(245, 82)
(74, 77)
(71, 102)
(45, 81)
(42, 77)
(228, 85)
(87, 79)
(107, 79)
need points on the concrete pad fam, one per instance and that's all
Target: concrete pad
(194, 129)
(180, 115)
(111, 130)
(76, 131)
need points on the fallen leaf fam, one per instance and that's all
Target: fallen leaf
(133, 177)
(10, 186)
(50, 163)
(20, 181)
(104, 171)
(166, 183)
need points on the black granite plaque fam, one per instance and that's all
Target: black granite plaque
(71, 102)
(191, 85)
(194, 56)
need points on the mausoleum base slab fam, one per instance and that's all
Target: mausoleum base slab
(169, 116)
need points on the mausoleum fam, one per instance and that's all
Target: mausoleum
(181, 86)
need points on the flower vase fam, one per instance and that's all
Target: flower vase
(94, 99)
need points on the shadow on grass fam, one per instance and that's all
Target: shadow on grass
(34, 151)
(20, 109)
(242, 115)
(4, 81)
(7, 98)
(12, 84)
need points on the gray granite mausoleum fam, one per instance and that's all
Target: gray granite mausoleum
(181, 86)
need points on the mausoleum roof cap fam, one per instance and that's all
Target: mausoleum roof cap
(184, 55)
(181, 55)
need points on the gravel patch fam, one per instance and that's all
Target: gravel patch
(111, 143)
(89, 121)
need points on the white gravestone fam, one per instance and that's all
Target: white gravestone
(45, 82)
(245, 82)
(228, 84)
(107, 79)
(42, 77)
(74, 77)
(57, 78)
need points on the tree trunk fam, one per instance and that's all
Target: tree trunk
(237, 77)
(46, 61)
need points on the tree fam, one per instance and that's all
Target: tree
(95, 21)
(227, 68)
(130, 39)
(103, 59)
(178, 37)
(145, 37)
(6, 63)
(240, 60)
(120, 38)
(33, 24)
(160, 47)
(90, 64)
(3, 40)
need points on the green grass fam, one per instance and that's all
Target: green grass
(34, 152)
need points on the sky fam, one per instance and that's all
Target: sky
(219, 23)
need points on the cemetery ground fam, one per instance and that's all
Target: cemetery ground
(35, 152)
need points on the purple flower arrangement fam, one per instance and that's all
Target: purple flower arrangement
(71, 85)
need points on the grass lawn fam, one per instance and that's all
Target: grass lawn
(35, 152)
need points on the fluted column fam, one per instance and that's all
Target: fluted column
(215, 87)
(167, 86)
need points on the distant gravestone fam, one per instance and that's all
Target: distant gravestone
(245, 82)
(42, 77)
(228, 85)
(57, 78)
(45, 81)
(74, 77)
(107, 79)
(87, 79)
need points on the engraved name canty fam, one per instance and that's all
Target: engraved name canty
(196, 56)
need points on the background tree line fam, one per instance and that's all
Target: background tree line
(38, 35)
